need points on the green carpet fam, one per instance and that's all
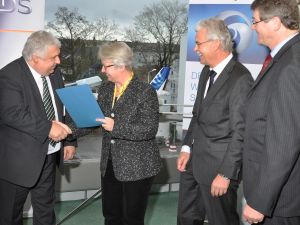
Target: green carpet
(162, 210)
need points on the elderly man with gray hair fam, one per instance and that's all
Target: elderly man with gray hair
(32, 136)
(211, 155)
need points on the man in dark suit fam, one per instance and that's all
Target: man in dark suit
(210, 159)
(271, 164)
(31, 135)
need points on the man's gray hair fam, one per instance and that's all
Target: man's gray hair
(217, 30)
(118, 52)
(38, 43)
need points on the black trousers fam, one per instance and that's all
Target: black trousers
(196, 202)
(124, 203)
(13, 197)
(191, 209)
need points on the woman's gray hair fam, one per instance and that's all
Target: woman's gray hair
(38, 43)
(118, 52)
(216, 30)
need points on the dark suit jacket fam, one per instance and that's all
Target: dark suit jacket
(216, 130)
(272, 138)
(24, 126)
(135, 154)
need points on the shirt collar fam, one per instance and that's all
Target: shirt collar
(281, 44)
(35, 74)
(220, 67)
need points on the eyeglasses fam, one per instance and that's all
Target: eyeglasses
(203, 42)
(105, 67)
(256, 22)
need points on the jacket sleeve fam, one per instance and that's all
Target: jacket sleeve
(71, 139)
(189, 137)
(232, 161)
(15, 112)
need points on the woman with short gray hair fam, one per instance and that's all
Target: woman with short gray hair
(130, 157)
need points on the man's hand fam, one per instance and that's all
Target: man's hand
(68, 129)
(251, 216)
(59, 131)
(107, 123)
(182, 160)
(69, 152)
(219, 186)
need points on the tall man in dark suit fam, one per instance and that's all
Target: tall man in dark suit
(271, 164)
(210, 159)
(31, 135)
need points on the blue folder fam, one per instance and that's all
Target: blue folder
(81, 105)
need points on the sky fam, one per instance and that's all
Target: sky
(121, 11)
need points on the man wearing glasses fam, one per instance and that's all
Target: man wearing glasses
(211, 156)
(271, 164)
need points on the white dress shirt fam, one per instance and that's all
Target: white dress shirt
(218, 69)
(38, 79)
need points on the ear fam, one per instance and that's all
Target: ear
(34, 59)
(122, 67)
(276, 23)
(216, 44)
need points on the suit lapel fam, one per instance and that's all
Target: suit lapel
(201, 88)
(223, 77)
(202, 83)
(55, 85)
(275, 60)
(260, 76)
(128, 93)
(32, 86)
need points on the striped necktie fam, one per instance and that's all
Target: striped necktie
(48, 104)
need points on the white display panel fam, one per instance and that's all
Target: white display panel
(18, 18)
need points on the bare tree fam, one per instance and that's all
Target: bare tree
(72, 29)
(105, 29)
(162, 23)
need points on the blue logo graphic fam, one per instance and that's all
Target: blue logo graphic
(160, 77)
(237, 17)
(239, 27)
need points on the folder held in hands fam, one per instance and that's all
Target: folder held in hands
(81, 105)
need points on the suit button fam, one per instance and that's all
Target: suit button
(112, 141)
(112, 115)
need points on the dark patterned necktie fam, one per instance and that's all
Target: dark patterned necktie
(48, 104)
(266, 63)
(212, 75)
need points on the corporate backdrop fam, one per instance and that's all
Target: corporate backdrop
(237, 16)
(18, 19)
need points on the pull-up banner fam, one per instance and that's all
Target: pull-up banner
(238, 17)
(18, 19)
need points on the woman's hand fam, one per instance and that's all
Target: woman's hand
(107, 123)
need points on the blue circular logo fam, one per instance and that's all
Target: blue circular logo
(239, 27)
